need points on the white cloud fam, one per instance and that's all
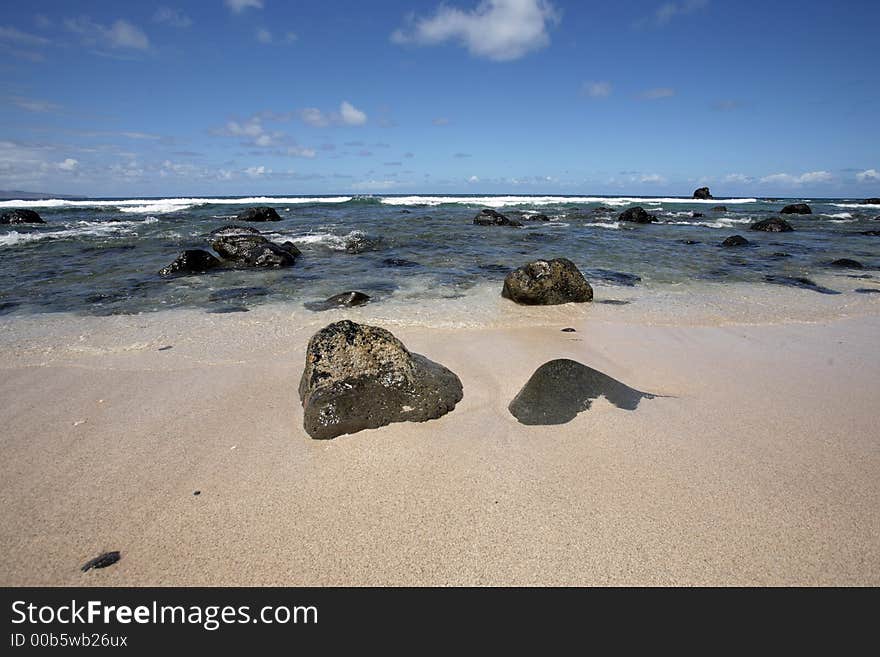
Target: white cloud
(239, 6)
(34, 105)
(374, 184)
(869, 175)
(256, 172)
(473, 179)
(658, 93)
(788, 179)
(300, 151)
(500, 30)
(652, 178)
(351, 115)
(172, 17)
(313, 116)
(264, 35)
(737, 178)
(121, 34)
(440, 120)
(596, 89)
(669, 10)
(68, 164)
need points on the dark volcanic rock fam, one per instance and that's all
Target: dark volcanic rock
(636, 215)
(538, 217)
(870, 201)
(697, 215)
(21, 217)
(192, 261)
(223, 310)
(796, 208)
(689, 242)
(735, 240)
(399, 262)
(492, 218)
(231, 230)
(560, 389)
(796, 281)
(867, 290)
(258, 214)
(846, 263)
(719, 208)
(547, 282)
(772, 225)
(569, 330)
(102, 561)
(362, 377)
(255, 250)
(343, 300)
(702, 193)
(874, 233)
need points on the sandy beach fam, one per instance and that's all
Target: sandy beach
(756, 463)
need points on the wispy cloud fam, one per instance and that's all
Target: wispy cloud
(14, 35)
(668, 11)
(120, 34)
(347, 114)
(804, 178)
(33, 104)
(500, 30)
(596, 89)
(739, 178)
(252, 132)
(658, 92)
(727, 105)
(238, 6)
(868, 175)
(440, 120)
(172, 17)
(267, 37)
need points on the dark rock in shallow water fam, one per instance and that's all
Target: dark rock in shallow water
(21, 217)
(560, 389)
(780, 254)
(569, 330)
(690, 242)
(772, 225)
(238, 293)
(867, 290)
(492, 218)
(343, 300)
(399, 262)
(702, 193)
(846, 263)
(613, 302)
(870, 201)
(719, 208)
(362, 377)
(192, 261)
(547, 282)
(537, 217)
(8, 306)
(614, 277)
(255, 250)
(697, 215)
(636, 215)
(232, 230)
(223, 310)
(874, 233)
(258, 214)
(796, 208)
(796, 281)
(102, 561)
(735, 240)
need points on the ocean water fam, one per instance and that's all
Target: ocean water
(101, 256)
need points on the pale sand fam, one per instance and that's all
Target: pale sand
(760, 466)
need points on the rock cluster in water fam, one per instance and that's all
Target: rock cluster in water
(636, 215)
(258, 214)
(191, 261)
(362, 377)
(21, 217)
(772, 225)
(547, 282)
(735, 240)
(703, 193)
(489, 217)
(797, 208)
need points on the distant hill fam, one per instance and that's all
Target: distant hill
(31, 196)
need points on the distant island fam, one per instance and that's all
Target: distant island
(13, 194)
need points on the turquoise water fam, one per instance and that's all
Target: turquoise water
(102, 256)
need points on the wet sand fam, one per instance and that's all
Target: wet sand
(758, 461)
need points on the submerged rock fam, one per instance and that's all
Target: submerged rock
(399, 262)
(614, 277)
(239, 293)
(343, 300)
(492, 218)
(537, 217)
(797, 281)
(719, 208)
(846, 263)
(874, 233)
(735, 240)
(254, 250)
(867, 290)
(636, 215)
(870, 201)
(697, 215)
(192, 261)
(21, 217)
(101, 561)
(262, 213)
(772, 225)
(702, 193)
(562, 388)
(362, 377)
(796, 208)
(547, 282)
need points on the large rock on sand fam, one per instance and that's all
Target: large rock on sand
(193, 261)
(796, 208)
(492, 218)
(702, 193)
(546, 283)
(772, 225)
(21, 217)
(362, 377)
(258, 214)
(636, 215)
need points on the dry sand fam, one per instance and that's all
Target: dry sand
(760, 465)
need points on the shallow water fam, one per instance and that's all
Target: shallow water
(102, 256)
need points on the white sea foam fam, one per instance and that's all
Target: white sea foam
(872, 206)
(838, 215)
(614, 225)
(723, 222)
(75, 230)
(502, 201)
(164, 205)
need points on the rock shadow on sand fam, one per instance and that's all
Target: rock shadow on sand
(562, 388)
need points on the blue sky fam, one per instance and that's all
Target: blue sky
(502, 96)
